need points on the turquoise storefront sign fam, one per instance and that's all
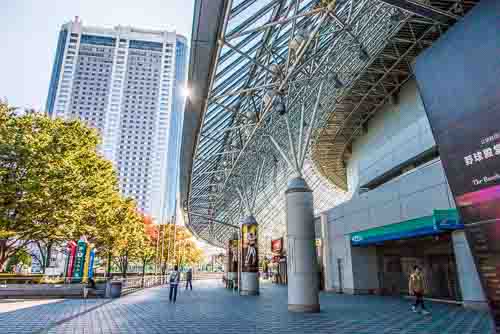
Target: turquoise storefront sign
(440, 222)
(448, 219)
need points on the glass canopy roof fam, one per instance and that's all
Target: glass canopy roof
(269, 53)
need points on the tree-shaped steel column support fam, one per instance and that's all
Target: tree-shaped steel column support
(249, 256)
(303, 273)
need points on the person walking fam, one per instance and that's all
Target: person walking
(91, 287)
(189, 278)
(416, 288)
(175, 277)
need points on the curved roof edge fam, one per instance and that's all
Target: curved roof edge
(207, 18)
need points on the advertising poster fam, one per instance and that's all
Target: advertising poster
(90, 272)
(277, 246)
(249, 248)
(79, 260)
(86, 264)
(317, 247)
(66, 262)
(458, 78)
(71, 258)
(233, 255)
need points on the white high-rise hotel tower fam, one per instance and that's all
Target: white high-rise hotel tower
(128, 83)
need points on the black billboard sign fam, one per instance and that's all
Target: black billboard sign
(459, 80)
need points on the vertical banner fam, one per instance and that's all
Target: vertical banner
(250, 259)
(459, 82)
(277, 246)
(233, 255)
(79, 260)
(90, 272)
(317, 246)
(66, 262)
(71, 258)
(86, 264)
(277, 249)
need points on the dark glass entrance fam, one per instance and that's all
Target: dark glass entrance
(434, 254)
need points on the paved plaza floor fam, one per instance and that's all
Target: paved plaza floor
(209, 308)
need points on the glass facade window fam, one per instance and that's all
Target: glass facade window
(145, 45)
(98, 40)
(56, 71)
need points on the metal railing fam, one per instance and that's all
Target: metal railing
(61, 286)
(45, 280)
(131, 284)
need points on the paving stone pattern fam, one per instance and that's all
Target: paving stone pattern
(211, 309)
(36, 318)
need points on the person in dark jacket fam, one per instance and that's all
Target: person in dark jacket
(189, 278)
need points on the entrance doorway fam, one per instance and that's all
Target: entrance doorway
(434, 254)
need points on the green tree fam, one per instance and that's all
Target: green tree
(21, 257)
(50, 172)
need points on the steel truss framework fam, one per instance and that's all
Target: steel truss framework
(273, 55)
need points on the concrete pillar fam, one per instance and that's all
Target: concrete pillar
(327, 261)
(468, 277)
(303, 284)
(249, 284)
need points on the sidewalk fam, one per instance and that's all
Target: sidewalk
(209, 308)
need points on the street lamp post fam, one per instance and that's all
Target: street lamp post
(157, 248)
(162, 248)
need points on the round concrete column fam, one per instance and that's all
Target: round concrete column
(303, 289)
(249, 285)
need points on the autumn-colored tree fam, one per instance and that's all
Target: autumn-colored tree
(181, 250)
(148, 252)
(131, 236)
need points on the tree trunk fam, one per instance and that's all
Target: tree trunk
(3, 254)
(6, 252)
(39, 257)
(45, 250)
(48, 254)
(125, 265)
(108, 274)
(3, 263)
(143, 271)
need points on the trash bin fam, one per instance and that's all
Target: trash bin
(116, 289)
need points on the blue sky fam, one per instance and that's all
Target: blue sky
(29, 30)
